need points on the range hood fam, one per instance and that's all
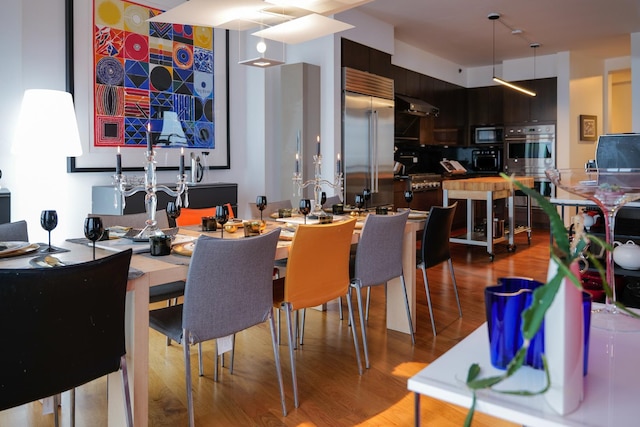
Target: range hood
(416, 107)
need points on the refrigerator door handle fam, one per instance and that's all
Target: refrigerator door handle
(374, 152)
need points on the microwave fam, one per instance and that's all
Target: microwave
(489, 135)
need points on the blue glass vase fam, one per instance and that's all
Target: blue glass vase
(504, 304)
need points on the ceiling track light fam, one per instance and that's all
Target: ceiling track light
(495, 17)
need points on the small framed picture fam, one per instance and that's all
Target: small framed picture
(588, 128)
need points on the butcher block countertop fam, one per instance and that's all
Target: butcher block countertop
(490, 183)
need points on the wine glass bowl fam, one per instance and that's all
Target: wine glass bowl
(173, 210)
(305, 208)
(366, 193)
(408, 197)
(49, 221)
(93, 230)
(222, 216)
(359, 201)
(610, 190)
(261, 204)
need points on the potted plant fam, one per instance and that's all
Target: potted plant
(566, 252)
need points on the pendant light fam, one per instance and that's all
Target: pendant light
(494, 17)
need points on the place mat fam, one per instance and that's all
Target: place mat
(34, 249)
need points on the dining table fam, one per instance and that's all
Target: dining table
(147, 271)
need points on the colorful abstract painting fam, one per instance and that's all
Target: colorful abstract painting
(151, 76)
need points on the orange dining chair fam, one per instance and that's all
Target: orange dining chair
(193, 216)
(317, 272)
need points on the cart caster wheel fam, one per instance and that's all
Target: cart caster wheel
(511, 248)
(491, 257)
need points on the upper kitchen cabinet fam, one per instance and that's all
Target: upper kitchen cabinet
(520, 108)
(406, 82)
(364, 58)
(485, 106)
(449, 126)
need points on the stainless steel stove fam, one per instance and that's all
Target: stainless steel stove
(425, 182)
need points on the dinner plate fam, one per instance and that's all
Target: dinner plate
(47, 261)
(185, 249)
(132, 233)
(14, 248)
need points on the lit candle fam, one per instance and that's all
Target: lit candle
(297, 163)
(318, 145)
(182, 161)
(338, 164)
(149, 145)
(118, 162)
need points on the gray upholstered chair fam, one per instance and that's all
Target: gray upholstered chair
(66, 326)
(435, 249)
(222, 299)
(14, 231)
(272, 207)
(378, 259)
(331, 200)
(136, 220)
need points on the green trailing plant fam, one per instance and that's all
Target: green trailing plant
(564, 252)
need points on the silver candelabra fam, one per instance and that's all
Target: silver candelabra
(151, 188)
(317, 182)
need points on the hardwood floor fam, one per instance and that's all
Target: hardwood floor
(330, 389)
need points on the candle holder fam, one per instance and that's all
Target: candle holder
(150, 187)
(317, 182)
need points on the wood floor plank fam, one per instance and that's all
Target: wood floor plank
(330, 389)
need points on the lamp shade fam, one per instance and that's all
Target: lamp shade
(47, 125)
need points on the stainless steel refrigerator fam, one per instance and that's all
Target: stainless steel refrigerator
(367, 136)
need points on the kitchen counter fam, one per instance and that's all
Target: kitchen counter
(487, 189)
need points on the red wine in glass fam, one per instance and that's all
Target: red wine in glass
(222, 216)
(49, 221)
(305, 208)
(173, 211)
(261, 204)
(93, 230)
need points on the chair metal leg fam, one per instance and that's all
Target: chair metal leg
(426, 288)
(276, 357)
(168, 304)
(72, 407)
(455, 286)
(340, 307)
(355, 334)
(277, 311)
(215, 361)
(233, 353)
(303, 316)
(406, 304)
(125, 391)
(200, 363)
(292, 340)
(363, 330)
(187, 371)
(366, 315)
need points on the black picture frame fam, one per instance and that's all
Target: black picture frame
(588, 127)
(102, 159)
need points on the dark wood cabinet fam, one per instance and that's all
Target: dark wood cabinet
(521, 108)
(5, 206)
(485, 106)
(364, 58)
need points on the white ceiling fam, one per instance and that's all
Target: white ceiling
(459, 30)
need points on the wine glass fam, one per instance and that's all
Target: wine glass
(261, 203)
(222, 216)
(610, 191)
(359, 200)
(305, 208)
(366, 193)
(323, 199)
(93, 230)
(173, 210)
(49, 221)
(408, 197)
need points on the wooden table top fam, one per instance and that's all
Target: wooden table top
(490, 183)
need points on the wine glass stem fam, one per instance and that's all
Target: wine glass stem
(611, 276)
(94, 250)
(49, 249)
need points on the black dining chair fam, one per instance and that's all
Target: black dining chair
(435, 250)
(65, 326)
(14, 232)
